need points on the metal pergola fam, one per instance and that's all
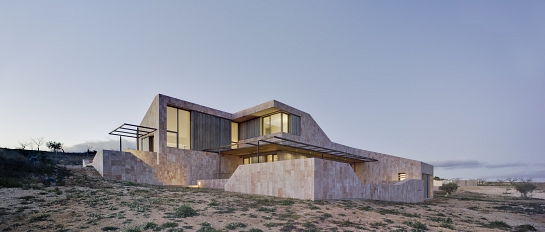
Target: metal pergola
(275, 143)
(132, 131)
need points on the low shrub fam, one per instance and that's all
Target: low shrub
(169, 225)
(416, 225)
(524, 228)
(449, 188)
(234, 225)
(149, 225)
(497, 224)
(185, 211)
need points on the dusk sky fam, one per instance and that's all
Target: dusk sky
(457, 84)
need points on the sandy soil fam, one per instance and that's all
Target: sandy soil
(89, 203)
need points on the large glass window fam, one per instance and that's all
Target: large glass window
(178, 128)
(275, 123)
(234, 134)
(260, 159)
(183, 129)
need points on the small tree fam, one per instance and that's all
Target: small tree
(54, 146)
(525, 188)
(449, 188)
(38, 142)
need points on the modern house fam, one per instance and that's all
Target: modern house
(269, 149)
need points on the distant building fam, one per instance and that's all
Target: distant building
(269, 149)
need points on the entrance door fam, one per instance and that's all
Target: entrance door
(426, 178)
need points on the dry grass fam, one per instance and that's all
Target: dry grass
(89, 203)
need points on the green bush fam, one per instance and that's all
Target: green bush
(268, 210)
(497, 224)
(149, 225)
(416, 225)
(234, 225)
(185, 211)
(169, 225)
(449, 188)
(524, 228)
(446, 225)
(287, 202)
(525, 188)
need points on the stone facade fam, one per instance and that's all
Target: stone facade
(290, 178)
(118, 165)
(180, 167)
(317, 179)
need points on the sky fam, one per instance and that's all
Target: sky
(457, 84)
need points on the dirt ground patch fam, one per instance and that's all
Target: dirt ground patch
(89, 203)
(505, 190)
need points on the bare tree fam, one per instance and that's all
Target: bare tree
(512, 180)
(22, 145)
(500, 181)
(38, 141)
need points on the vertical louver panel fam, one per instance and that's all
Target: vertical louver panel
(249, 129)
(295, 124)
(208, 131)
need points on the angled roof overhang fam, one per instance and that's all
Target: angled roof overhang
(132, 131)
(278, 143)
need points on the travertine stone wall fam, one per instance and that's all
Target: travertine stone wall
(151, 119)
(290, 178)
(98, 162)
(317, 179)
(410, 190)
(179, 167)
(124, 166)
(335, 180)
(213, 184)
(385, 170)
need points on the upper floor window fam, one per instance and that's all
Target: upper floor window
(178, 128)
(275, 123)
(401, 176)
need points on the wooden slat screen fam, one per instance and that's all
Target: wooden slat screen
(249, 129)
(295, 124)
(208, 131)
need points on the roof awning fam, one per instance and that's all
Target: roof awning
(132, 131)
(278, 143)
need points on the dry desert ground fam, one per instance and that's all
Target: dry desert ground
(86, 202)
